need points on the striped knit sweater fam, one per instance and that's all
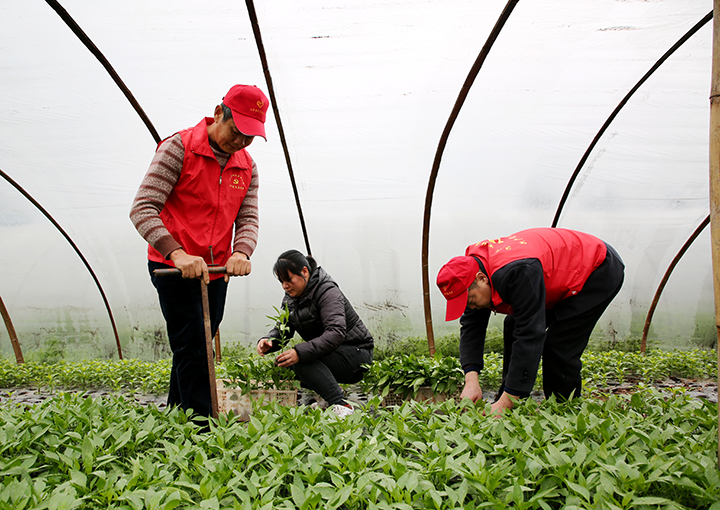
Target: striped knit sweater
(157, 185)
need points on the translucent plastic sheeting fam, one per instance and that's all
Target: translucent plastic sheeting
(364, 91)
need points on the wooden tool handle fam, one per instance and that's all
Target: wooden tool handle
(167, 272)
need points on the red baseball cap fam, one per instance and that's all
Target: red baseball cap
(249, 108)
(454, 280)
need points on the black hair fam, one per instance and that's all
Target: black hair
(292, 261)
(227, 112)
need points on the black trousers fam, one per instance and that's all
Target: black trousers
(342, 366)
(565, 341)
(181, 305)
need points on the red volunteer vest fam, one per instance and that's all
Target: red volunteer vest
(201, 209)
(567, 257)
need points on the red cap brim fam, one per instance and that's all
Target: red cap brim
(456, 306)
(248, 125)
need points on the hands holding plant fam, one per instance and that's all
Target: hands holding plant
(473, 391)
(287, 358)
(284, 359)
(505, 402)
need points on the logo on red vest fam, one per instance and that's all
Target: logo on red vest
(237, 182)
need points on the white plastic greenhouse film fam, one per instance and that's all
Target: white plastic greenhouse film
(364, 90)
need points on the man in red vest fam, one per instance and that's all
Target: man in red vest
(197, 206)
(553, 284)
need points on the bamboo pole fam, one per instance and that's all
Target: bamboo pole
(715, 182)
(11, 332)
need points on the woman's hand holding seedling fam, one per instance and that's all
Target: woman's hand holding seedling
(284, 359)
(287, 358)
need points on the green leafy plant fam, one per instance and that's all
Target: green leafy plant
(118, 375)
(405, 375)
(650, 450)
(446, 345)
(280, 321)
(257, 372)
(646, 450)
(237, 350)
(602, 368)
(262, 372)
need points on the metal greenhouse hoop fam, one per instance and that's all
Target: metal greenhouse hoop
(666, 277)
(586, 155)
(77, 250)
(619, 107)
(276, 112)
(70, 22)
(474, 70)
